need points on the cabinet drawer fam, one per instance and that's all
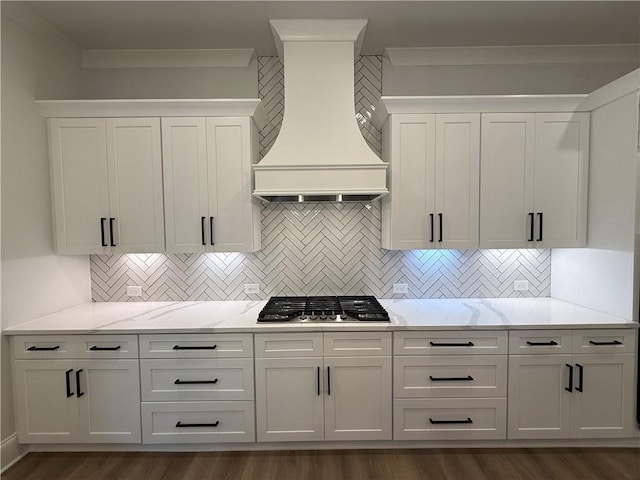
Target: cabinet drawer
(196, 345)
(274, 345)
(450, 376)
(350, 344)
(197, 422)
(532, 342)
(604, 341)
(187, 380)
(450, 419)
(449, 342)
(75, 346)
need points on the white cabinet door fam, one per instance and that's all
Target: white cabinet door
(134, 163)
(108, 393)
(561, 173)
(45, 401)
(289, 405)
(538, 402)
(358, 398)
(184, 157)
(603, 396)
(408, 211)
(506, 189)
(457, 180)
(79, 183)
(230, 222)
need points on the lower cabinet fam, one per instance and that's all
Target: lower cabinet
(77, 401)
(318, 397)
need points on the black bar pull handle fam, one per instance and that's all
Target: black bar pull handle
(449, 422)
(33, 348)
(440, 221)
(328, 380)
(96, 348)
(195, 382)
(211, 231)
(431, 221)
(79, 391)
(202, 220)
(451, 379)
(539, 239)
(447, 344)
(318, 386)
(550, 343)
(531, 227)
(204, 347)
(570, 387)
(580, 378)
(66, 374)
(599, 344)
(111, 220)
(187, 425)
(102, 240)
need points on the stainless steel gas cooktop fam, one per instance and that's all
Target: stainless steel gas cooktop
(323, 309)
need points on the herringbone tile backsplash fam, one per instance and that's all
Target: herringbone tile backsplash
(317, 249)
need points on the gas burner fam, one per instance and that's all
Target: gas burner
(323, 309)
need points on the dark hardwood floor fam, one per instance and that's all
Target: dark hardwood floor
(436, 464)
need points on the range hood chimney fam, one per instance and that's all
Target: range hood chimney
(319, 153)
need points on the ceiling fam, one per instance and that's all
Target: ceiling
(245, 24)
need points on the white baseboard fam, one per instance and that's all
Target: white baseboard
(11, 451)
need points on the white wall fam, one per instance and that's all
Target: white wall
(37, 62)
(602, 275)
(498, 79)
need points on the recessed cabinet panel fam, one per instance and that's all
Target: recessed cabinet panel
(79, 181)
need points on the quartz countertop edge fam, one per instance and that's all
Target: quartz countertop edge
(241, 316)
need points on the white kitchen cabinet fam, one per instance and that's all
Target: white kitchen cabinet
(534, 170)
(572, 395)
(207, 181)
(434, 182)
(107, 185)
(307, 398)
(77, 401)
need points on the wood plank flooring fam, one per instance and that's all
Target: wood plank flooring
(434, 464)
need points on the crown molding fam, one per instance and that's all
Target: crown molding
(610, 92)
(167, 58)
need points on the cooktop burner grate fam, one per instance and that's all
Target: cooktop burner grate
(325, 308)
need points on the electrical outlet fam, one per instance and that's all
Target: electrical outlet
(521, 285)
(134, 291)
(400, 288)
(251, 288)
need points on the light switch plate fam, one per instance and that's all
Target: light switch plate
(400, 288)
(251, 288)
(134, 291)
(521, 285)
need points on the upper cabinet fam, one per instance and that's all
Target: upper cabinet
(107, 185)
(207, 182)
(434, 181)
(534, 180)
(117, 182)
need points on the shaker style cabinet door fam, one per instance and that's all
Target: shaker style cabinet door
(506, 187)
(78, 154)
(107, 185)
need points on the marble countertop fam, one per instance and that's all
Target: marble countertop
(240, 316)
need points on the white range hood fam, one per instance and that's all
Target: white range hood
(320, 153)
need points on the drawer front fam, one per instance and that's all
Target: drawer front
(75, 346)
(196, 345)
(190, 380)
(604, 341)
(450, 419)
(276, 345)
(198, 422)
(532, 342)
(353, 344)
(450, 343)
(450, 376)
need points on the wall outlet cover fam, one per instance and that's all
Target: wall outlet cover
(400, 288)
(521, 285)
(251, 288)
(134, 291)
